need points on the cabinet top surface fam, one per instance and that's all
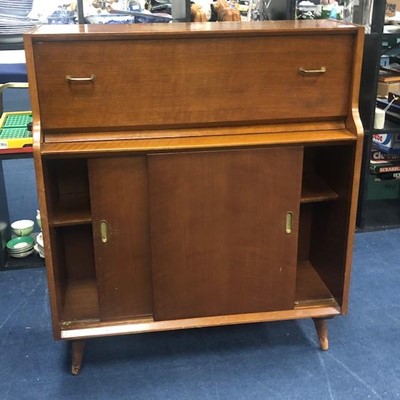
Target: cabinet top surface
(54, 32)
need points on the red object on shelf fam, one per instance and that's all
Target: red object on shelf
(21, 150)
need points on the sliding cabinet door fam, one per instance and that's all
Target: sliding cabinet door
(224, 231)
(119, 204)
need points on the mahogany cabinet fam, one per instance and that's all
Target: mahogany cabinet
(192, 175)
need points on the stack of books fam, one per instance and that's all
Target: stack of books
(389, 73)
(384, 178)
(389, 80)
(384, 165)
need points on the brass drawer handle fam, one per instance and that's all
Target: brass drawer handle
(289, 220)
(70, 78)
(304, 71)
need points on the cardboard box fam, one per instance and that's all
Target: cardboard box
(384, 88)
(391, 7)
(386, 141)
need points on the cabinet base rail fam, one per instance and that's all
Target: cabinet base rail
(78, 346)
(85, 330)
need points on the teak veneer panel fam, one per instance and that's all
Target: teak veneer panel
(118, 189)
(205, 142)
(230, 130)
(214, 217)
(89, 329)
(173, 80)
(170, 82)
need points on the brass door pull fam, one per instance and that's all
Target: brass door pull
(104, 231)
(70, 78)
(289, 218)
(304, 71)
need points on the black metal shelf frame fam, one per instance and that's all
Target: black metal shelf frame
(382, 213)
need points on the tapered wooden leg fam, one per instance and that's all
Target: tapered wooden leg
(78, 348)
(322, 332)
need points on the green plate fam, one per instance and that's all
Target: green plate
(14, 133)
(18, 120)
(20, 243)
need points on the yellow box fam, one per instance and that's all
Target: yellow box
(13, 130)
(385, 87)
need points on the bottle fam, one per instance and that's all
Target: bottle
(348, 11)
(38, 219)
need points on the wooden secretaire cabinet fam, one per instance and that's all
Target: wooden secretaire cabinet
(192, 175)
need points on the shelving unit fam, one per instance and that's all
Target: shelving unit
(6, 262)
(13, 119)
(72, 231)
(375, 213)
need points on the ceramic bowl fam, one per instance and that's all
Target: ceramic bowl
(110, 19)
(22, 255)
(20, 242)
(22, 227)
(20, 246)
(39, 250)
(39, 240)
(147, 17)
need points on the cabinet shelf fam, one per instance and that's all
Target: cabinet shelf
(311, 291)
(82, 304)
(71, 217)
(375, 214)
(81, 301)
(315, 190)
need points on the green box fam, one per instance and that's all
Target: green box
(383, 189)
(16, 120)
(14, 133)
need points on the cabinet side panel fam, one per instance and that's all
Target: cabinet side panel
(118, 192)
(218, 236)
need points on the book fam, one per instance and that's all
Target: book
(386, 140)
(387, 149)
(379, 154)
(394, 67)
(388, 176)
(384, 166)
(388, 76)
